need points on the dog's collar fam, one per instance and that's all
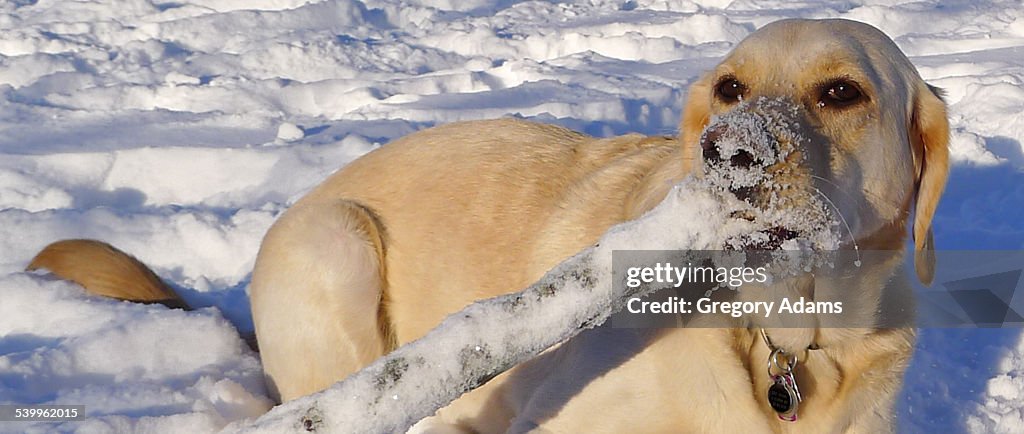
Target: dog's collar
(772, 347)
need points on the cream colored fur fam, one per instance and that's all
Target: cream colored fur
(385, 248)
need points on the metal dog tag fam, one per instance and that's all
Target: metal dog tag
(784, 396)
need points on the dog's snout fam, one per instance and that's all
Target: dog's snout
(709, 142)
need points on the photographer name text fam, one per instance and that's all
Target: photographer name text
(735, 309)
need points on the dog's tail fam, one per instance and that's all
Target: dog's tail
(104, 270)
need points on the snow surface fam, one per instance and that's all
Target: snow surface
(179, 130)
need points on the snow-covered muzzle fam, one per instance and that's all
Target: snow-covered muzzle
(763, 152)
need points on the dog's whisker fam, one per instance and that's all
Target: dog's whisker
(839, 213)
(837, 187)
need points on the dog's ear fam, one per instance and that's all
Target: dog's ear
(929, 135)
(696, 114)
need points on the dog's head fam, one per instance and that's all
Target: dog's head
(864, 130)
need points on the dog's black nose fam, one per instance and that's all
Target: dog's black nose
(740, 158)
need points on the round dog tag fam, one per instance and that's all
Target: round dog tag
(781, 398)
(784, 397)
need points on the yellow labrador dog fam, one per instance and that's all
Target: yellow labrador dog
(388, 246)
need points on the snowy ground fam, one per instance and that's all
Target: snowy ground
(179, 130)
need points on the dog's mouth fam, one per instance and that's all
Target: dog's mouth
(772, 238)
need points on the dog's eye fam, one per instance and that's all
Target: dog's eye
(839, 94)
(730, 90)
